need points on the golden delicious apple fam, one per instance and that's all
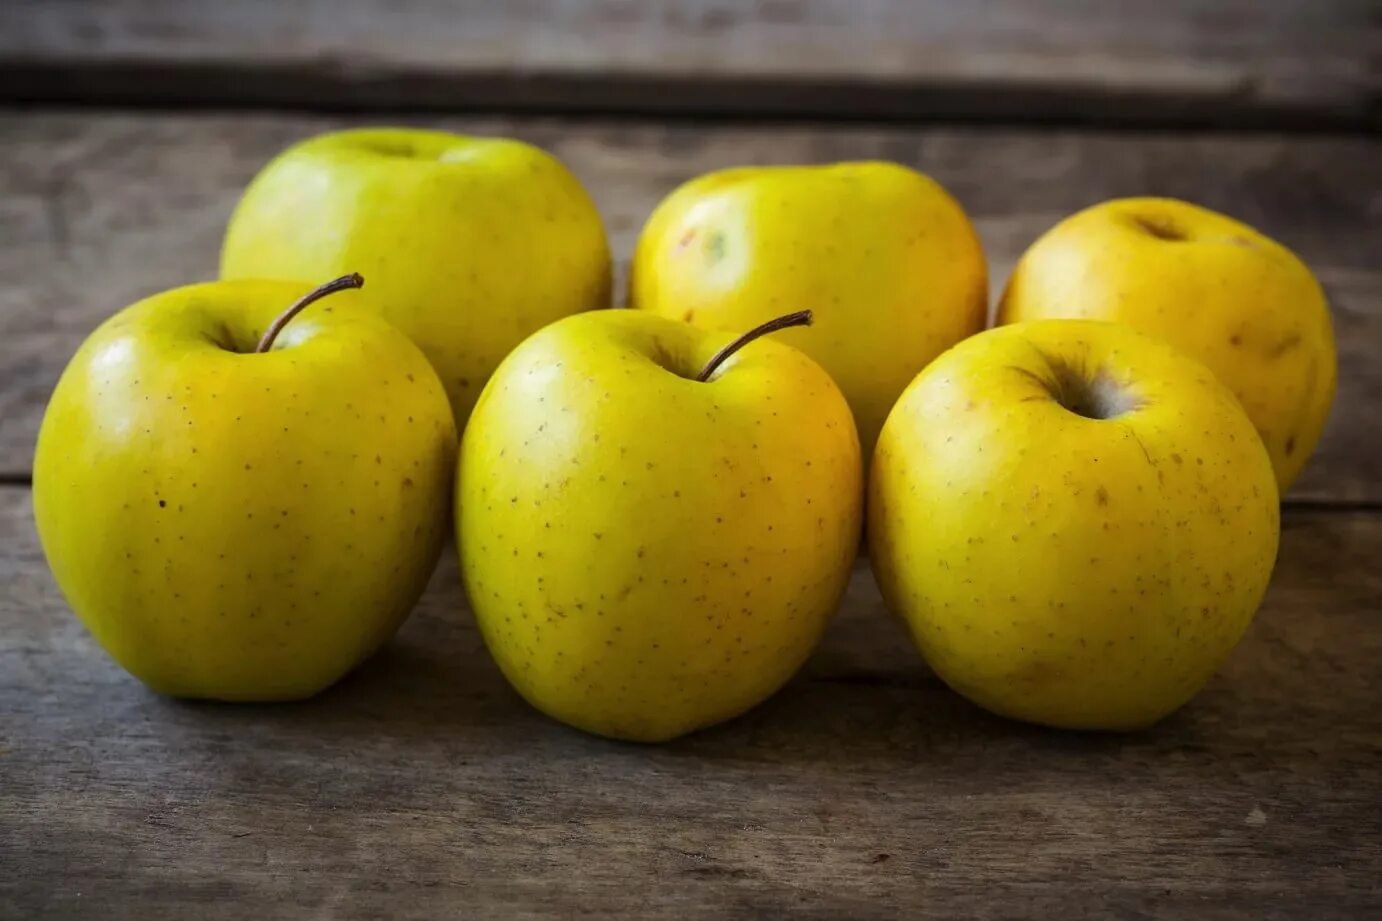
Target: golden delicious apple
(1216, 288)
(241, 524)
(884, 258)
(1075, 520)
(647, 553)
(469, 243)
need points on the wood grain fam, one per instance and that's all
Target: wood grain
(97, 211)
(1202, 61)
(422, 787)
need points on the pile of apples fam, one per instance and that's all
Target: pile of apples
(242, 487)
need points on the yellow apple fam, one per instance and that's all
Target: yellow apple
(1076, 521)
(1238, 301)
(469, 243)
(648, 554)
(884, 258)
(241, 525)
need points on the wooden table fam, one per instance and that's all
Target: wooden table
(422, 787)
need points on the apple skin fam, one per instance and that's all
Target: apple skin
(469, 243)
(647, 555)
(1213, 287)
(244, 527)
(884, 258)
(1077, 572)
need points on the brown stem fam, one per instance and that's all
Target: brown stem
(800, 318)
(353, 280)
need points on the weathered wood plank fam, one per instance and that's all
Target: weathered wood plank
(99, 210)
(1211, 61)
(422, 787)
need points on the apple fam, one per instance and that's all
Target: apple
(1216, 288)
(884, 258)
(1075, 520)
(469, 243)
(653, 540)
(237, 508)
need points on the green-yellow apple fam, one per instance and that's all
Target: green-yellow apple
(884, 258)
(1076, 521)
(647, 553)
(469, 243)
(240, 524)
(1237, 300)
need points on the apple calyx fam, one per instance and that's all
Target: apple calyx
(799, 318)
(353, 280)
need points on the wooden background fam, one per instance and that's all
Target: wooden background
(422, 787)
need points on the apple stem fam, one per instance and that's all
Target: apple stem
(353, 280)
(800, 318)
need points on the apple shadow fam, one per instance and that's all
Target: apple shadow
(865, 700)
